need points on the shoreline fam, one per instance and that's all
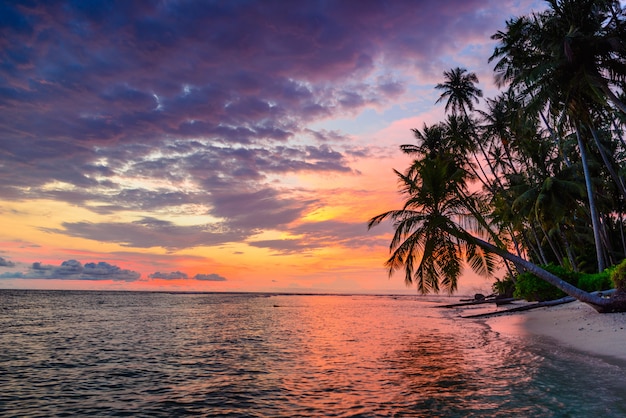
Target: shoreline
(574, 325)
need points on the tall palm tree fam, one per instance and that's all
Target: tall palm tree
(567, 59)
(461, 93)
(459, 88)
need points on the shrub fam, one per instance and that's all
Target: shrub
(504, 287)
(618, 276)
(532, 288)
(595, 282)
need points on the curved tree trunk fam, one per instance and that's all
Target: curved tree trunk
(599, 303)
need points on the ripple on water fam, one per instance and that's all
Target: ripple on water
(156, 354)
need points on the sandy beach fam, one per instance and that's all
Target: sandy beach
(575, 324)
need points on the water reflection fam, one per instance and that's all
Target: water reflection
(110, 354)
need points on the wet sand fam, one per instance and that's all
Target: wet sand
(574, 324)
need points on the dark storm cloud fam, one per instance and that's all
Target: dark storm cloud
(218, 95)
(75, 270)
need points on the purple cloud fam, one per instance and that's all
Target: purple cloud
(210, 277)
(162, 106)
(6, 263)
(151, 232)
(315, 235)
(174, 275)
(75, 270)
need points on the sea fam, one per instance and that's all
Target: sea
(143, 354)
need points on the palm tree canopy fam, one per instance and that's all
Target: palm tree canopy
(568, 56)
(427, 228)
(459, 90)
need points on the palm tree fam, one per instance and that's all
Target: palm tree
(577, 46)
(431, 141)
(459, 88)
(567, 59)
(461, 93)
(426, 240)
(565, 67)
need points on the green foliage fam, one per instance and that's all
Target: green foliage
(504, 287)
(595, 282)
(531, 288)
(618, 276)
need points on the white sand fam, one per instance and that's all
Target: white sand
(574, 324)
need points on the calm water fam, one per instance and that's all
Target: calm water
(155, 354)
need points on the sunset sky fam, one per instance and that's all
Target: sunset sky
(219, 145)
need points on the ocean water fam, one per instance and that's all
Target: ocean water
(99, 354)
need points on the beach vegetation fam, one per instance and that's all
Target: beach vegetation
(533, 177)
(504, 287)
(595, 282)
(532, 288)
(618, 277)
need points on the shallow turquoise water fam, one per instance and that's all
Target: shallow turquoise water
(158, 354)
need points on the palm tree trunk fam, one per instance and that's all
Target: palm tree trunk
(496, 179)
(555, 249)
(555, 139)
(568, 249)
(608, 163)
(595, 219)
(599, 303)
(542, 254)
(620, 224)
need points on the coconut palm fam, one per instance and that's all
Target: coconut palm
(459, 91)
(576, 46)
(427, 228)
(565, 67)
(567, 59)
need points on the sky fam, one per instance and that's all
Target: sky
(220, 145)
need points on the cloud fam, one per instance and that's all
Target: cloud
(75, 270)
(12, 275)
(212, 111)
(6, 263)
(236, 84)
(210, 277)
(150, 232)
(315, 235)
(175, 275)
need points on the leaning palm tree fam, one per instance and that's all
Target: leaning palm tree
(426, 242)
